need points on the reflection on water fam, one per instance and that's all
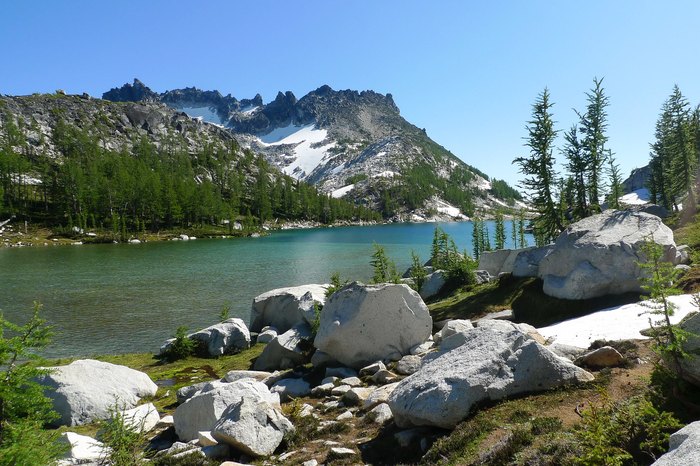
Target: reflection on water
(117, 298)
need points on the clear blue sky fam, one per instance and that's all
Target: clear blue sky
(466, 71)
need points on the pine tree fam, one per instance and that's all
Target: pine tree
(615, 182)
(514, 232)
(681, 146)
(577, 166)
(476, 237)
(538, 168)
(593, 125)
(500, 238)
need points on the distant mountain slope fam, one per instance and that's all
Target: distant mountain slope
(78, 161)
(351, 144)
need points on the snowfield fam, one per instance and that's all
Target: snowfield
(307, 158)
(385, 174)
(340, 192)
(615, 323)
(204, 113)
(638, 197)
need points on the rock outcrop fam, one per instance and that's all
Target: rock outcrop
(683, 447)
(491, 364)
(598, 255)
(203, 410)
(286, 350)
(691, 365)
(227, 337)
(283, 308)
(433, 284)
(361, 324)
(87, 390)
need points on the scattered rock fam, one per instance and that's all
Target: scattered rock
(384, 377)
(166, 421)
(372, 369)
(252, 426)
(185, 393)
(308, 463)
(489, 365)
(379, 395)
(683, 447)
(607, 356)
(409, 364)
(683, 254)
(361, 324)
(357, 395)
(566, 351)
(283, 308)
(422, 348)
(598, 255)
(451, 327)
(322, 390)
(344, 416)
(291, 388)
(380, 414)
(206, 407)
(352, 381)
(482, 276)
(226, 337)
(338, 453)
(340, 390)
(287, 350)
(87, 390)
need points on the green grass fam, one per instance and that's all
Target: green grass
(525, 297)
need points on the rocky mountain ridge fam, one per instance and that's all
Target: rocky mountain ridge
(349, 144)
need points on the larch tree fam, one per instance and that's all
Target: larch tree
(577, 167)
(538, 168)
(592, 126)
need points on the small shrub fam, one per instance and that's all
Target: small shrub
(224, 313)
(545, 425)
(182, 347)
(336, 284)
(384, 268)
(417, 272)
(305, 428)
(316, 323)
(125, 443)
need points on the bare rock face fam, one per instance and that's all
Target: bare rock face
(683, 447)
(362, 324)
(87, 390)
(283, 308)
(691, 365)
(598, 255)
(491, 364)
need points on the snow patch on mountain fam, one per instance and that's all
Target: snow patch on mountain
(385, 174)
(340, 192)
(207, 114)
(308, 152)
(637, 197)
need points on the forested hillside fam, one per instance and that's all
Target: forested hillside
(73, 161)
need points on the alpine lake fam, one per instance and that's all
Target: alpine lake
(126, 298)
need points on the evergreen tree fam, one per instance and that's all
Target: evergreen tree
(500, 238)
(538, 168)
(514, 232)
(615, 182)
(521, 229)
(593, 125)
(577, 167)
(477, 240)
(684, 161)
(383, 267)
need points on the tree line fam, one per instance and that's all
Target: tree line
(149, 187)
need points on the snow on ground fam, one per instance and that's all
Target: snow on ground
(385, 174)
(207, 114)
(615, 323)
(483, 184)
(638, 197)
(448, 209)
(340, 192)
(307, 157)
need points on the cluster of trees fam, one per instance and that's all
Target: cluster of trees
(591, 171)
(481, 240)
(675, 153)
(149, 187)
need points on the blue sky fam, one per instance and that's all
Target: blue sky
(467, 72)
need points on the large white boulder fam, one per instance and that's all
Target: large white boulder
(287, 350)
(205, 408)
(527, 262)
(283, 308)
(87, 390)
(253, 427)
(226, 337)
(433, 284)
(498, 261)
(142, 418)
(362, 324)
(683, 447)
(81, 449)
(598, 255)
(491, 364)
(691, 365)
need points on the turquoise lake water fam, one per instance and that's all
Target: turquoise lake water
(120, 298)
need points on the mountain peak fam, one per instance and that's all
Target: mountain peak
(135, 92)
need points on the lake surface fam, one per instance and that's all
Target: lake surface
(120, 298)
